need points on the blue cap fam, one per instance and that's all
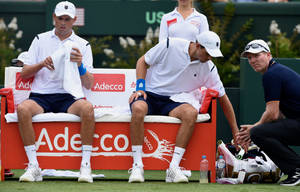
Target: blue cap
(203, 156)
(220, 157)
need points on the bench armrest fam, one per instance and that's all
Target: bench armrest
(9, 105)
(208, 96)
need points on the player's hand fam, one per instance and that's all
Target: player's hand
(136, 95)
(243, 136)
(48, 63)
(76, 56)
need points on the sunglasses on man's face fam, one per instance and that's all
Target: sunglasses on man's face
(255, 46)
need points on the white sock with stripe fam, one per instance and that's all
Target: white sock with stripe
(137, 152)
(177, 156)
(86, 155)
(31, 154)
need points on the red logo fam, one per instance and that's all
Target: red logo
(109, 82)
(172, 21)
(196, 23)
(23, 84)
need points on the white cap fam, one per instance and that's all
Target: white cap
(65, 8)
(256, 46)
(211, 41)
(23, 56)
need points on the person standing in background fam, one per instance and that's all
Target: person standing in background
(184, 22)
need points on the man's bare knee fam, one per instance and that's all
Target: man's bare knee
(139, 108)
(190, 114)
(86, 109)
(21, 109)
(24, 109)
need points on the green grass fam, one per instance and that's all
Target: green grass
(117, 181)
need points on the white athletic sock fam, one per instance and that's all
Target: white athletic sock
(86, 155)
(137, 151)
(177, 156)
(31, 154)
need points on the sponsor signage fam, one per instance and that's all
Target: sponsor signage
(109, 83)
(67, 142)
(23, 84)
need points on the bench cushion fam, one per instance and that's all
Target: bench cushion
(63, 117)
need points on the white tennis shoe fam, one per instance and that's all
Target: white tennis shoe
(136, 174)
(85, 174)
(33, 173)
(175, 175)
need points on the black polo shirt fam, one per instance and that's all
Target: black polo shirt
(283, 84)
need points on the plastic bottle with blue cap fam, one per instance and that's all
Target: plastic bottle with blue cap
(220, 168)
(203, 170)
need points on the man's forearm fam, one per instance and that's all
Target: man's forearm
(265, 118)
(271, 113)
(87, 80)
(229, 113)
(29, 71)
(141, 68)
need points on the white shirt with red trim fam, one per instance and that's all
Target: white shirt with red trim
(174, 25)
(43, 46)
(172, 72)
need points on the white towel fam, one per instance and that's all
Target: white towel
(117, 110)
(193, 98)
(66, 70)
(66, 173)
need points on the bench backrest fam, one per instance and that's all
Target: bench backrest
(112, 87)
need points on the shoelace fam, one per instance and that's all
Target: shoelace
(31, 167)
(33, 171)
(132, 168)
(175, 171)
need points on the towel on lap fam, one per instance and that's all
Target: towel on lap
(67, 70)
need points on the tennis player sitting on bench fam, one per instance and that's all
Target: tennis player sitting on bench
(175, 66)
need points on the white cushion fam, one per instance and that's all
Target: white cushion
(66, 117)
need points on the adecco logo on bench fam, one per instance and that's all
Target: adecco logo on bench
(113, 143)
(23, 84)
(109, 83)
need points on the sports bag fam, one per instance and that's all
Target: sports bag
(258, 166)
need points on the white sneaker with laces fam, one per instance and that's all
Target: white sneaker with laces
(32, 173)
(175, 175)
(85, 174)
(137, 174)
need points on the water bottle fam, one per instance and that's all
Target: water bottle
(220, 167)
(241, 175)
(204, 170)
